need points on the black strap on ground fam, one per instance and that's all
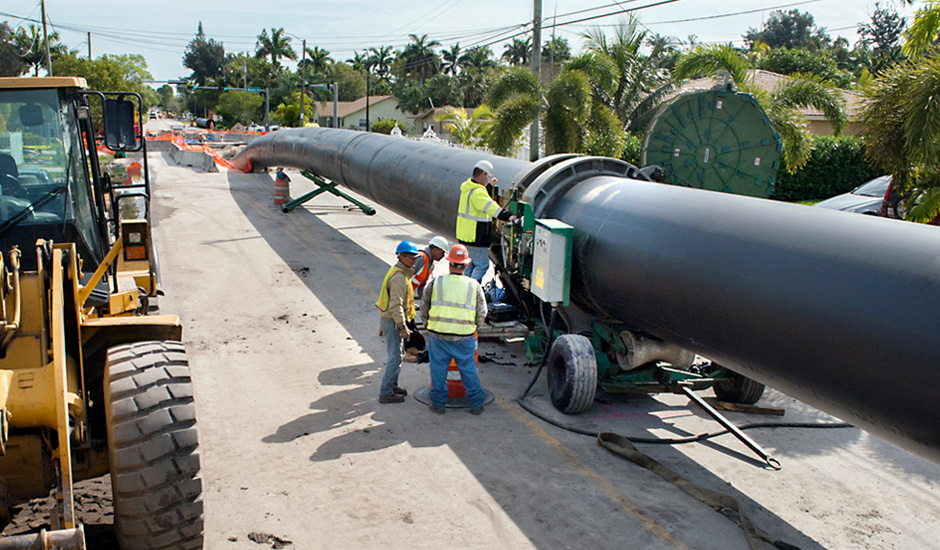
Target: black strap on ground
(721, 503)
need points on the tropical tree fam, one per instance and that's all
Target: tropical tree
(789, 29)
(444, 90)
(517, 52)
(902, 127)
(466, 130)
(288, 112)
(318, 60)
(574, 121)
(478, 57)
(205, 57)
(781, 104)
(641, 80)
(11, 59)
(276, 47)
(31, 47)
(453, 60)
(240, 107)
(419, 61)
(359, 61)
(883, 36)
(801, 61)
(381, 59)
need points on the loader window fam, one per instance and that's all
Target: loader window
(45, 172)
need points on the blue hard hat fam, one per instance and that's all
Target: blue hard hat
(406, 247)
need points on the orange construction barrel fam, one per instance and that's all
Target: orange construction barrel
(281, 191)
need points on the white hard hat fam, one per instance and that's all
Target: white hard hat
(439, 242)
(484, 165)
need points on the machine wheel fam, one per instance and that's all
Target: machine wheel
(153, 447)
(572, 374)
(738, 389)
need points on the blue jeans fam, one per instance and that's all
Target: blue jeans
(393, 345)
(462, 351)
(479, 262)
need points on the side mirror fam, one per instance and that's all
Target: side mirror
(30, 115)
(119, 133)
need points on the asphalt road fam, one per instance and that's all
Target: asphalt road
(282, 337)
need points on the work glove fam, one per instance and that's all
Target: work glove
(404, 333)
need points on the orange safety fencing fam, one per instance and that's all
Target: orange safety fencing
(180, 141)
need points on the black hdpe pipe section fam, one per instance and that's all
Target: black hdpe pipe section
(838, 310)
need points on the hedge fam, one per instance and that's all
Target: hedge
(837, 165)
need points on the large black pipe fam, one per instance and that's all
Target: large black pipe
(836, 309)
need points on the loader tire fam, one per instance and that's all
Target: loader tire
(153, 447)
(572, 374)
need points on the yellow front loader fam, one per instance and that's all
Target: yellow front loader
(90, 381)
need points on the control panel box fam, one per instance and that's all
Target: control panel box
(551, 261)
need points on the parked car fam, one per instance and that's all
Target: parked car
(894, 204)
(868, 198)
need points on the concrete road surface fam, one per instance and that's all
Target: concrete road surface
(282, 336)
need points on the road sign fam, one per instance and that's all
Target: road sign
(253, 89)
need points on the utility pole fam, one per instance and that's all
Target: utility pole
(303, 79)
(335, 102)
(536, 60)
(89, 46)
(45, 38)
(245, 70)
(368, 70)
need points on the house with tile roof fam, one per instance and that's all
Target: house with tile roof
(816, 121)
(352, 114)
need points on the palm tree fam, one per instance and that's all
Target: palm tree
(478, 57)
(464, 130)
(318, 59)
(642, 82)
(781, 104)
(902, 131)
(574, 121)
(382, 58)
(32, 49)
(453, 60)
(276, 46)
(359, 61)
(518, 51)
(419, 59)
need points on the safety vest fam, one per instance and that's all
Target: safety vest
(382, 302)
(475, 206)
(422, 277)
(453, 305)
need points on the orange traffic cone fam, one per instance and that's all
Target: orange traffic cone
(455, 387)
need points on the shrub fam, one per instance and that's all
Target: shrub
(632, 149)
(836, 165)
(385, 126)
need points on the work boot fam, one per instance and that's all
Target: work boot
(435, 409)
(400, 391)
(394, 398)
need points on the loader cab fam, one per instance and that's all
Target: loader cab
(46, 186)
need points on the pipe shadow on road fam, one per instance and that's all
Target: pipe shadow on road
(303, 239)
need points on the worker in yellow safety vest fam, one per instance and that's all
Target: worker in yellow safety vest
(457, 309)
(397, 304)
(475, 213)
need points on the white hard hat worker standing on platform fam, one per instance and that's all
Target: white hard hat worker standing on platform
(475, 213)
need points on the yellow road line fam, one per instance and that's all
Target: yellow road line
(614, 494)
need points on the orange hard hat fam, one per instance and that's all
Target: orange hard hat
(458, 255)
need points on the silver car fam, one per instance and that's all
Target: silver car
(864, 199)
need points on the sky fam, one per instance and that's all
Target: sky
(160, 30)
